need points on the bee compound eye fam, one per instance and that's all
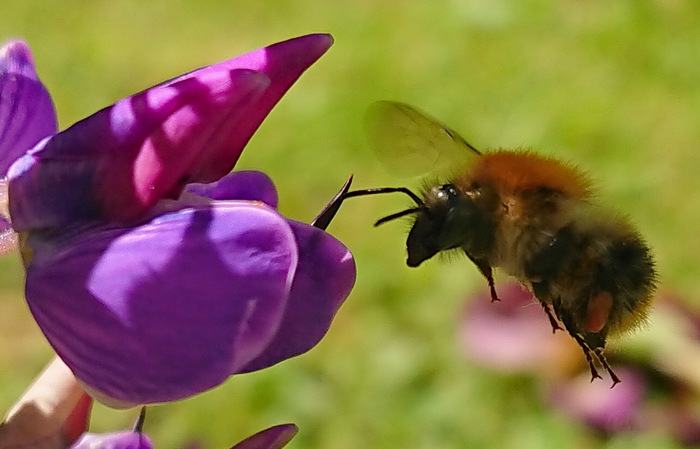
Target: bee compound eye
(448, 190)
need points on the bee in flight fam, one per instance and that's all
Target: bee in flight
(531, 216)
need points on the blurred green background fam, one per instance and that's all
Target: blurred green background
(613, 86)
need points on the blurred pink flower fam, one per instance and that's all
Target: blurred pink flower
(657, 391)
(510, 335)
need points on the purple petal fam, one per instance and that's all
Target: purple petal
(598, 405)
(283, 63)
(166, 309)
(119, 162)
(117, 440)
(16, 58)
(273, 438)
(324, 218)
(27, 113)
(242, 185)
(324, 278)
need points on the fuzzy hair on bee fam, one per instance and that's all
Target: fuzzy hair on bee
(534, 217)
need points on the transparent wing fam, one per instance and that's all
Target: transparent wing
(410, 143)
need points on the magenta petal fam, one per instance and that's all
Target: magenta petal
(283, 63)
(241, 185)
(324, 278)
(117, 440)
(272, 438)
(166, 309)
(119, 162)
(27, 113)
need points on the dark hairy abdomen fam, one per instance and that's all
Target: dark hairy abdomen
(577, 265)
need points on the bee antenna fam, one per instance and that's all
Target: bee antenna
(379, 190)
(403, 213)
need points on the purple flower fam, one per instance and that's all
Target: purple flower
(134, 439)
(272, 438)
(118, 163)
(116, 440)
(153, 273)
(26, 116)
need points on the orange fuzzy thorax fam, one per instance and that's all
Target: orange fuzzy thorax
(518, 171)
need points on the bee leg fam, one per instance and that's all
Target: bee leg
(485, 269)
(492, 287)
(603, 361)
(552, 319)
(588, 352)
(541, 292)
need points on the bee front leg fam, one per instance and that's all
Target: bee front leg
(486, 270)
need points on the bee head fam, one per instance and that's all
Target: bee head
(448, 219)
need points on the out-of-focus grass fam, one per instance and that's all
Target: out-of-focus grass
(612, 86)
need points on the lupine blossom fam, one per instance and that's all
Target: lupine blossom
(153, 272)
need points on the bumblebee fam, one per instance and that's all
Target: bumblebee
(534, 217)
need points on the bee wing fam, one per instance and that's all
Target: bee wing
(410, 143)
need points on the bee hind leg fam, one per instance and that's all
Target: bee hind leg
(603, 361)
(590, 354)
(599, 354)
